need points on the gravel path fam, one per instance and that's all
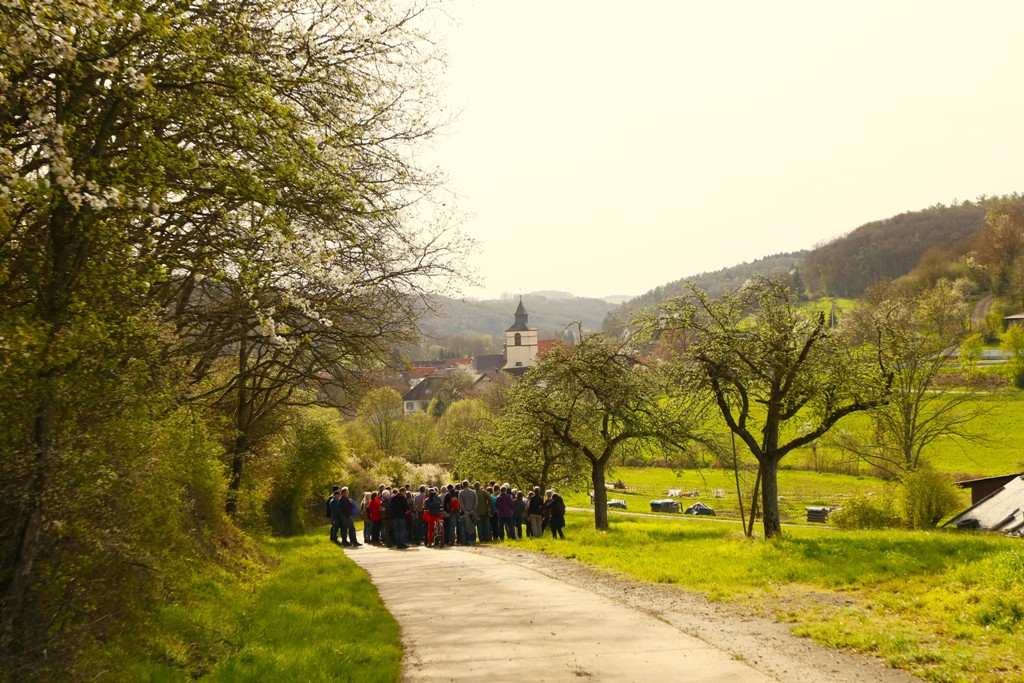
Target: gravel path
(502, 614)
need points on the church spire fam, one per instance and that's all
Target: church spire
(521, 318)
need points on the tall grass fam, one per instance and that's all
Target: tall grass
(946, 606)
(312, 616)
(318, 618)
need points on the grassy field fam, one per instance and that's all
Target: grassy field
(994, 452)
(717, 489)
(312, 616)
(947, 606)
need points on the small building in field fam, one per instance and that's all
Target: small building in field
(1016, 319)
(1001, 510)
(986, 486)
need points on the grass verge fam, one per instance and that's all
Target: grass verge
(948, 607)
(311, 614)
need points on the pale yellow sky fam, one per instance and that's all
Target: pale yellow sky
(608, 148)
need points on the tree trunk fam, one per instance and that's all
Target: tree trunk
(736, 474)
(241, 448)
(544, 474)
(770, 497)
(235, 478)
(32, 531)
(600, 495)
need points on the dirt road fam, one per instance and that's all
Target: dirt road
(500, 614)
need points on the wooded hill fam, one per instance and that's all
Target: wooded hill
(936, 238)
(847, 265)
(493, 316)
(888, 249)
(714, 283)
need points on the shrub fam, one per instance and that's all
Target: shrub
(928, 496)
(866, 512)
(311, 449)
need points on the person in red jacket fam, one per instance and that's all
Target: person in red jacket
(375, 518)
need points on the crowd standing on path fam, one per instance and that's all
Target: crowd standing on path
(469, 513)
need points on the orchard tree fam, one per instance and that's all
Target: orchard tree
(599, 400)
(420, 439)
(917, 333)
(382, 415)
(1012, 342)
(779, 375)
(970, 352)
(516, 448)
(461, 427)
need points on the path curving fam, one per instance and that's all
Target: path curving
(485, 614)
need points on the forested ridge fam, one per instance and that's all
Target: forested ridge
(937, 241)
(887, 249)
(494, 316)
(714, 283)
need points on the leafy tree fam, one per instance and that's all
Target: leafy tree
(1000, 244)
(598, 400)
(970, 351)
(311, 450)
(513, 447)
(916, 333)
(382, 414)
(420, 442)
(1012, 342)
(778, 374)
(928, 497)
(461, 427)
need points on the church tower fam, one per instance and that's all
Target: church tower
(520, 341)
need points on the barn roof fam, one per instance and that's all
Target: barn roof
(1002, 510)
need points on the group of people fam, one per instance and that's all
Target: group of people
(400, 516)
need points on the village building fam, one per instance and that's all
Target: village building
(1017, 319)
(522, 350)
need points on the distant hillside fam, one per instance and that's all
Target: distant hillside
(845, 266)
(550, 315)
(886, 250)
(714, 283)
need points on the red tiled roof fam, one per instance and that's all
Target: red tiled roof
(545, 345)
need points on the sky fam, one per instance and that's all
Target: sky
(607, 148)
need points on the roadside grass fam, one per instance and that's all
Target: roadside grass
(311, 616)
(947, 606)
